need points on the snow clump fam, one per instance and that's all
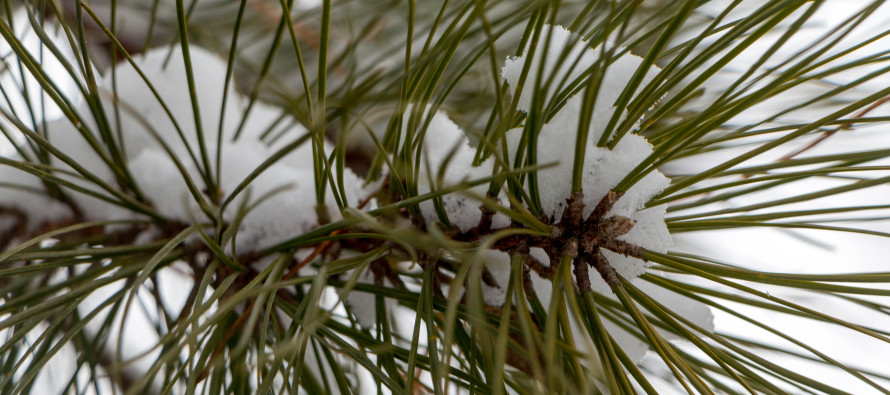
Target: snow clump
(149, 129)
(603, 169)
(447, 147)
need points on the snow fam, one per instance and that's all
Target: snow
(566, 58)
(16, 80)
(283, 199)
(498, 265)
(364, 305)
(287, 187)
(448, 159)
(158, 176)
(20, 190)
(447, 153)
(448, 156)
(603, 168)
(166, 69)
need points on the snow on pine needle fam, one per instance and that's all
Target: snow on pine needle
(623, 229)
